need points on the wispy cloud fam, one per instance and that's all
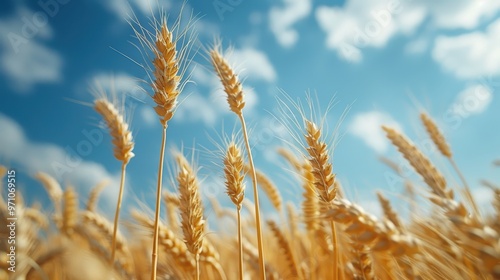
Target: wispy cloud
(367, 126)
(360, 24)
(124, 8)
(470, 55)
(253, 64)
(24, 58)
(473, 100)
(282, 19)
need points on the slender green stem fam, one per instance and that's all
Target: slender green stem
(154, 254)
(467, 191)
(256, 196)
(240, 243)
(117, 214)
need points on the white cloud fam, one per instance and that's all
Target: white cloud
(360, 24)
(282, 19)
(208, 109)
(148, 115)
(64, 164)
(254, 64)
(470, 55)
(120, 83)
(460, 13)
(417, 46)
(473, 100)
(197, 107)
(24, 59)
(124, 8)
(367, 126)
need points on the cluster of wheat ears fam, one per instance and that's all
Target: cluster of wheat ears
(330, 238)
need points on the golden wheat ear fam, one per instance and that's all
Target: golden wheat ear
(191, 208)
(323, 181)
(235, 189)
(118, 129)
(443, 146)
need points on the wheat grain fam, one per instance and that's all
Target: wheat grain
(285, 247)
(233, 170)
(118, 129)
(268, 187)
(420, 163)
(436, 135)
(94, 195)
(70, 211)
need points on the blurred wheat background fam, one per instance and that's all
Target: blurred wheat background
(312, 105)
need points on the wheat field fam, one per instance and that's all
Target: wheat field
(327, 236)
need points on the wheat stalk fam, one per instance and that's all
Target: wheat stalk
(166, 86)
(268, 187)
(123, 146)
(234, 91)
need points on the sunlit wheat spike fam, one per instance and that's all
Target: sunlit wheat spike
(285, 247)
(389, 212)
(420, 163)
(193, 224)
(105, 229)
(291, 158)
(70, 211)
(94, 195)
(269, 188)
(230, 81)
(170, 243)
(119, 129)
(167, 77)
(52, 187)
(322, 170)
(436, 135)
(233, 171)
(310, 207)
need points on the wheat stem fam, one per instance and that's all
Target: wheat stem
(197, 258)
(154, 254)
(335, 251)
(256, 196)
(117, 213)
(240, 245)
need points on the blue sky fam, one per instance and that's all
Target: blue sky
(384, 61)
